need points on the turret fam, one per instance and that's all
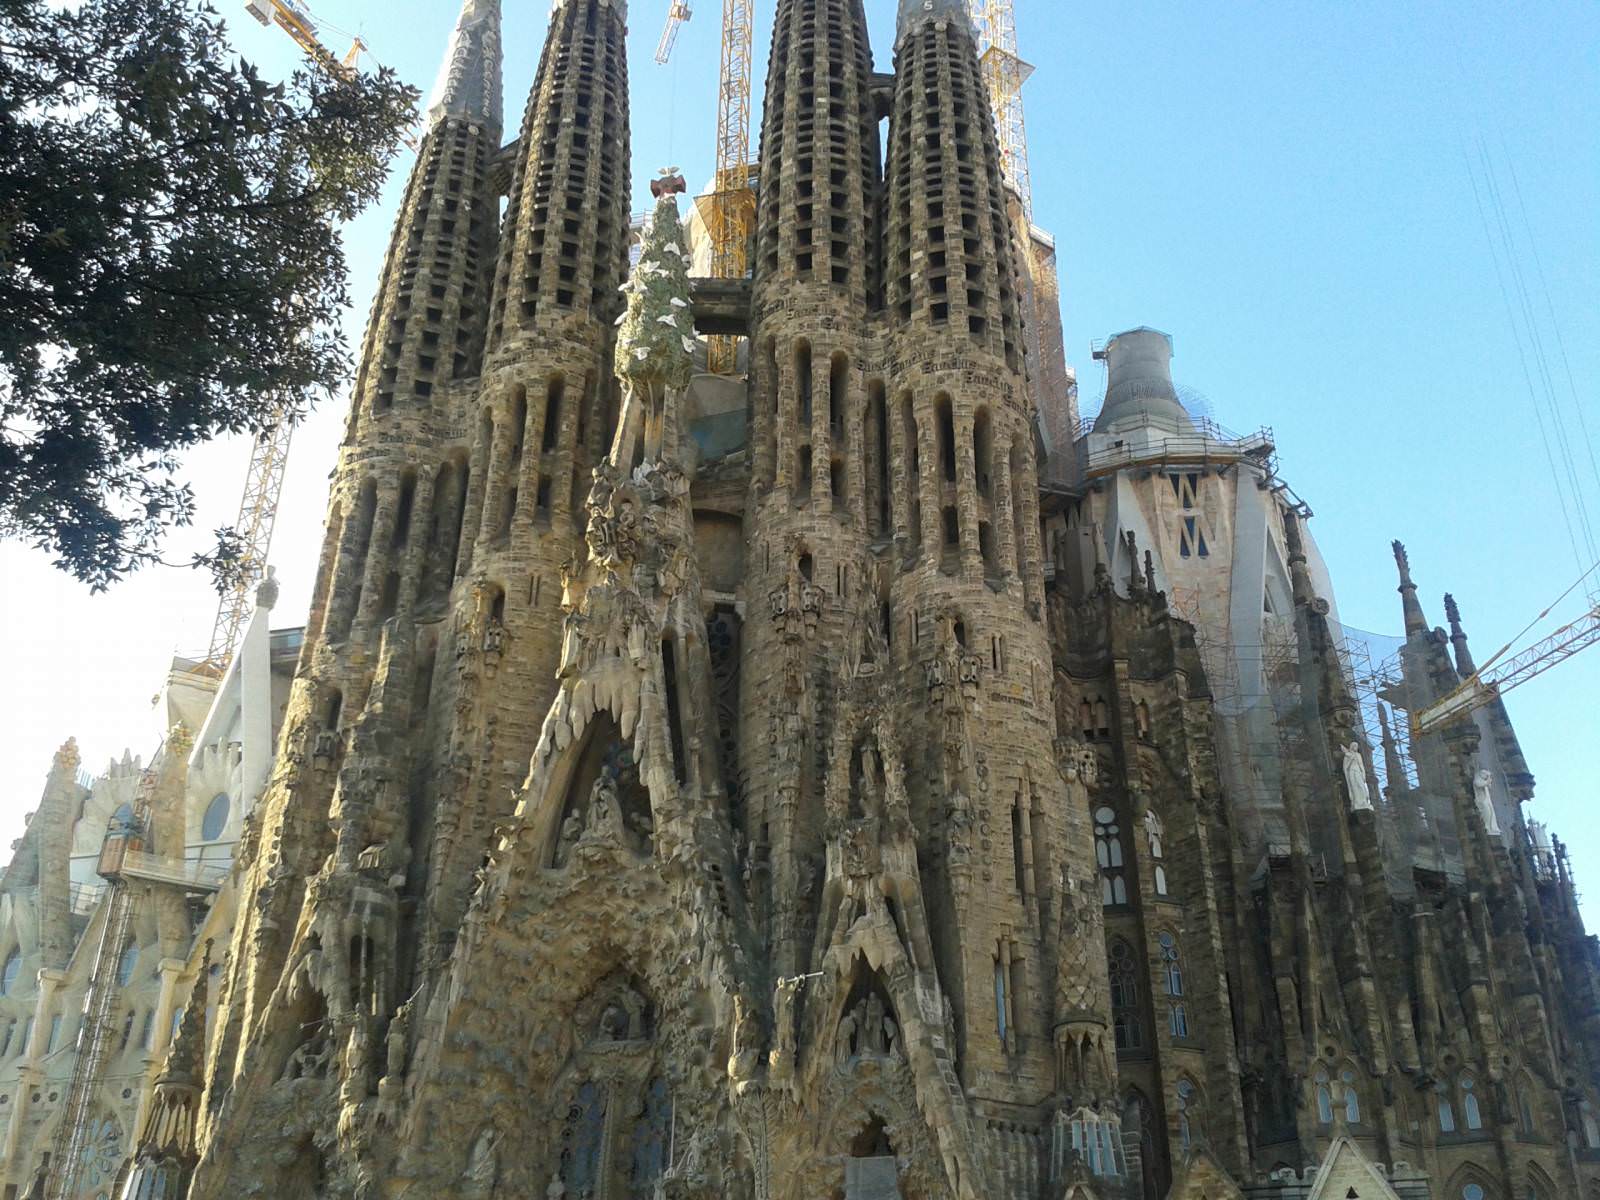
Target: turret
(539, 421)
(1139, 388)
(398, 491)
(166, 1152)
(967, 608)
(819, 495)
(951, 293)
(52, 829)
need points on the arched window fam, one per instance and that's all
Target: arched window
(1155, 835)
(1172, 981)
(1188, 1113)
(1524, 1090)
(8, 976)
(126, 964)
(1324, 1099)
(1470, 1110)
(1472, 1192)
(215, 819)
(1108, 851)
(1352, 1098)
(1447, 1113)
(1591, 1126)
(1171, 964)
(1124, 971)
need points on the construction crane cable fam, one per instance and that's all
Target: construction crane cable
(1526, 629)
(1546, 379)
(1541, 359)
(1555, 324)
(1522, 355)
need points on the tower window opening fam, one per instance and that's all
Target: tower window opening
(881, 503)
(403, 509)
(1019, 876)
(802, 379)
(947, 437)
(553, 398)
(519, 424)
(838, 381)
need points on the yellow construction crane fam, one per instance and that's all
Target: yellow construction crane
(296, 20)
(1505, 670)
(733, 202)
(258, 513)
(677, 13)
(1005, 72)
(258, 509)
(730, 207)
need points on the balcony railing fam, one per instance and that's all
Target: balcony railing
(192, 876)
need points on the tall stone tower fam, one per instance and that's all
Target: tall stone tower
(665, 814)
(816, 423)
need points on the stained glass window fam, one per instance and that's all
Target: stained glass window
(651, 1132)
(583, 1142)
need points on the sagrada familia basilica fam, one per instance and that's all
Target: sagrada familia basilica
(850, 779)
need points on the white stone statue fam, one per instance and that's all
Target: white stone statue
(1480, 793)
(1355, 778)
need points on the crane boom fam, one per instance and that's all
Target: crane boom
(297, 21)
(677, 13)
(1500, 675)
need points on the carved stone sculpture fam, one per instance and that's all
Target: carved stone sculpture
(1485, 802)
(1355, 778)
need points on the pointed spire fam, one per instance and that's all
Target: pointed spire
(1465, 667)
(469, 80)
(1299, 573)
(1415, 621)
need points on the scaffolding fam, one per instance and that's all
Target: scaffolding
(94, 1030)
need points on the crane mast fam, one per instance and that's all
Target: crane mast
(258, 513)
(1004, 71)
(732, 201)
(269, 455)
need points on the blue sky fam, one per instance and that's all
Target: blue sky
(1286, 188)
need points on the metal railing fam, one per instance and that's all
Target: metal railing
(1210, 445)
(83, 897)
(197, 876)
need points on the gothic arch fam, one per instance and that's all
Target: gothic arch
(602, 795)
(1540, 1185)
(1469, 1176)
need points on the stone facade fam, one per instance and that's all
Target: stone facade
(836, 809)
